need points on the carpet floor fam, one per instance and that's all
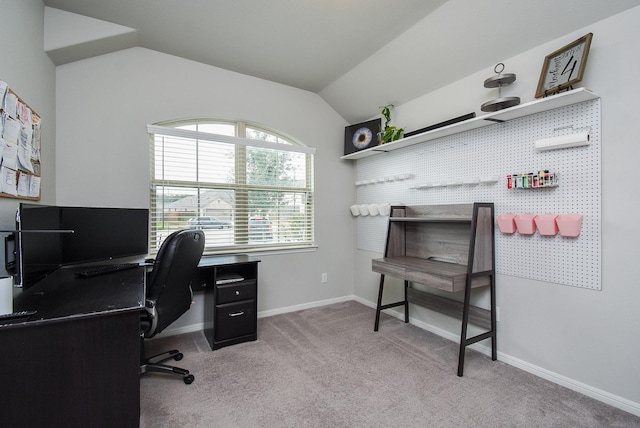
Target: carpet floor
(326, 367)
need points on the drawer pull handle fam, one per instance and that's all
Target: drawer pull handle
(237, 314)
(237, 293)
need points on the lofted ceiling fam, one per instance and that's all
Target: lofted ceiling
(356, 54)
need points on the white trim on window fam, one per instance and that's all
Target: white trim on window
(186, 133)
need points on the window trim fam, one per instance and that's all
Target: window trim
(218, 138)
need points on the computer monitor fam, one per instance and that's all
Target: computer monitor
(37, 254)
(98, 234)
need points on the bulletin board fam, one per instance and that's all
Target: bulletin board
(474, 165)
(20, 147)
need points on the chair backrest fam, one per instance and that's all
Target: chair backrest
(169, 283)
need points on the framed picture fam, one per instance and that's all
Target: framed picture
(361, 136)
(564, 67)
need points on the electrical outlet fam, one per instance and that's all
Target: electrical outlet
(324, 277)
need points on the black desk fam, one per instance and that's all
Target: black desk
(75, 363)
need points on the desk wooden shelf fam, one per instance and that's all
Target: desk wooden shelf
(445, 247)
(543, 104)
(451, 277)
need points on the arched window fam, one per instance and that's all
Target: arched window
(249, 188)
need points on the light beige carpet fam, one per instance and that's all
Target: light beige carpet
(325, 367)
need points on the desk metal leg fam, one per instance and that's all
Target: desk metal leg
(494, 345)
(379, 307)
(465, 322)
(406, 302)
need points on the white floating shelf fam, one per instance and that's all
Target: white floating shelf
(537, 106)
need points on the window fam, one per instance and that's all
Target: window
(247, 187)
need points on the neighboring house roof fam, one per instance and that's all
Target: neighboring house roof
(211, 200)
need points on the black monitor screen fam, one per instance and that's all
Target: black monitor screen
(38, 253)
(103, 233)
(98, 234)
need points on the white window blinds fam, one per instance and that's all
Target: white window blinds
(253, 192)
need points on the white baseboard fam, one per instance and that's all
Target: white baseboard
(200, 326)
(310, 305)
(588, 390)
(180, 330)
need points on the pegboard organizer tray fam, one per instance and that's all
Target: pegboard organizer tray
(506, 223)
(569, 224)
(546, 224)
(364, 210)
(525, 224)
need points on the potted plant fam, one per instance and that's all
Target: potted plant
(389, 132)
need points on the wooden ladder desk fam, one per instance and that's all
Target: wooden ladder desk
(446, 247)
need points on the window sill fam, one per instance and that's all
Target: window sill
(267, 251)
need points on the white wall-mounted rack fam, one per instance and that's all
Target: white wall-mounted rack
(564, 99)
(459, 182)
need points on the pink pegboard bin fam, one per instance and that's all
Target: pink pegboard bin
(569, 225)
(506, 223)
(525, 224)
(546, 224)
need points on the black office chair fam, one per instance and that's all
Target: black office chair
(169, 295)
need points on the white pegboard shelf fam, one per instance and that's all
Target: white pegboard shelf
(459, 182)
(537, 106)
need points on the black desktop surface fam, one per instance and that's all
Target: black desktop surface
(63, 294)
(208, 261)
(76, 361)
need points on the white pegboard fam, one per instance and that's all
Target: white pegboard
(495, 151)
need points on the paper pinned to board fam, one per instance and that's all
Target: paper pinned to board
(11, 130)
(34, 189)
(9, 181)
(24, 184)
(10, 106)
(3, 91)
(9, 155)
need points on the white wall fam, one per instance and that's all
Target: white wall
(104, 105)
(30, 73)
(581, 338)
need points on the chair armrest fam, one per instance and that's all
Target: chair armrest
(150, 308)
